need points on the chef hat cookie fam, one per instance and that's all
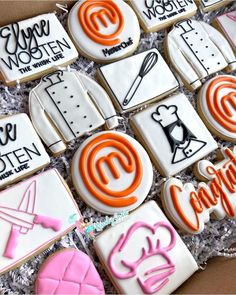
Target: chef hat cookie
(66, 105)
(32, 47)
(29, 219)
(173, 134)
(142, 78)
(191, 208)
(158, 15)
(197, 50)
(68, 271)
(144, 254)
(112, 172)
(209, 5)
(105, 30)
(22, 152)
(216, 105)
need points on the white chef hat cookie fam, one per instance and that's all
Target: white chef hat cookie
(105, 30)
(66, 105)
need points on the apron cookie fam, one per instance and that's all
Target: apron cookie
(208, 5)
(144, 254)
(29, 219)
(217, 107)
(226, 24)
(105, 30)
(173, 134)
(68, 271)
(157, 15)
(143, 78)
(32, 47)
(190, 209)
(197, 50)
(112, 172)
(22, 152)
(67, 105)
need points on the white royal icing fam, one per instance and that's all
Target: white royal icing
(208, 5)
(217, 196)
(173, 133)
(102, 20)
(66, 105)
(22, 152)
(198, 50)
(227, 23)
(98, 157)
(142, 78)
(32, 46)
(33, 216)
(156, 15)
(216, 101)
(163, 267)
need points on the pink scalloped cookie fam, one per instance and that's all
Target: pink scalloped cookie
(68, 271)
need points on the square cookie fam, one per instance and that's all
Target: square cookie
(144, 254)
(22, 152)
(157, 15)
(29, 219)
(208, 5)
(173, 133)
(138, 80)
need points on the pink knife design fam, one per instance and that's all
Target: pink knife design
(23, 219)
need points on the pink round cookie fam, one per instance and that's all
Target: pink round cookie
(68, 271)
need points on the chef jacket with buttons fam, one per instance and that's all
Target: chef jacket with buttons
(66, 105)
(198, 50)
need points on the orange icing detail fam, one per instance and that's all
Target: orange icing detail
(94, 13)
(219, 105)
(94, 176)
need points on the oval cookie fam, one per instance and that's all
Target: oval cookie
(216, 104)
(68, 271)
(104, 31)
(112, 172)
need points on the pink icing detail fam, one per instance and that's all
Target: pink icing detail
(71, 272)
(48, 222)
(169, 266)
(11, 243)
(232, 17)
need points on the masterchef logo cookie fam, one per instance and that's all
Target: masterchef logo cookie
(112, 172)
(104, 30)
(217, 106)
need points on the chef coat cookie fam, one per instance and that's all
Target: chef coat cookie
(105, 30)
(189, 208)
(112, 172)
(217, 107)
(29, 219)
(137, 80)
(144, 254)
(68, 271)
(156, 15)
(173, 134)
(208, 5)
(226, 24)
(197, 50)
(22, 152)
(32, 47)
(67, 105)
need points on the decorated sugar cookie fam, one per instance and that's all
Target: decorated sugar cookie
(216, 104)
(144, 254)
(68, 271)
(67, 105)
(32, 47)
(226, 23)
(142, 78)
(198, 50)
(22, 152)
(173, 134)
(112, 172)
(105, 30)
(29, 219)
(189, 208)
(156, 15)
(208, 5)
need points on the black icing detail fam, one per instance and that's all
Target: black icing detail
(8, 132)
(54, 143)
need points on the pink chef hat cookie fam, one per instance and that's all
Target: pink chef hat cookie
(68, 271)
